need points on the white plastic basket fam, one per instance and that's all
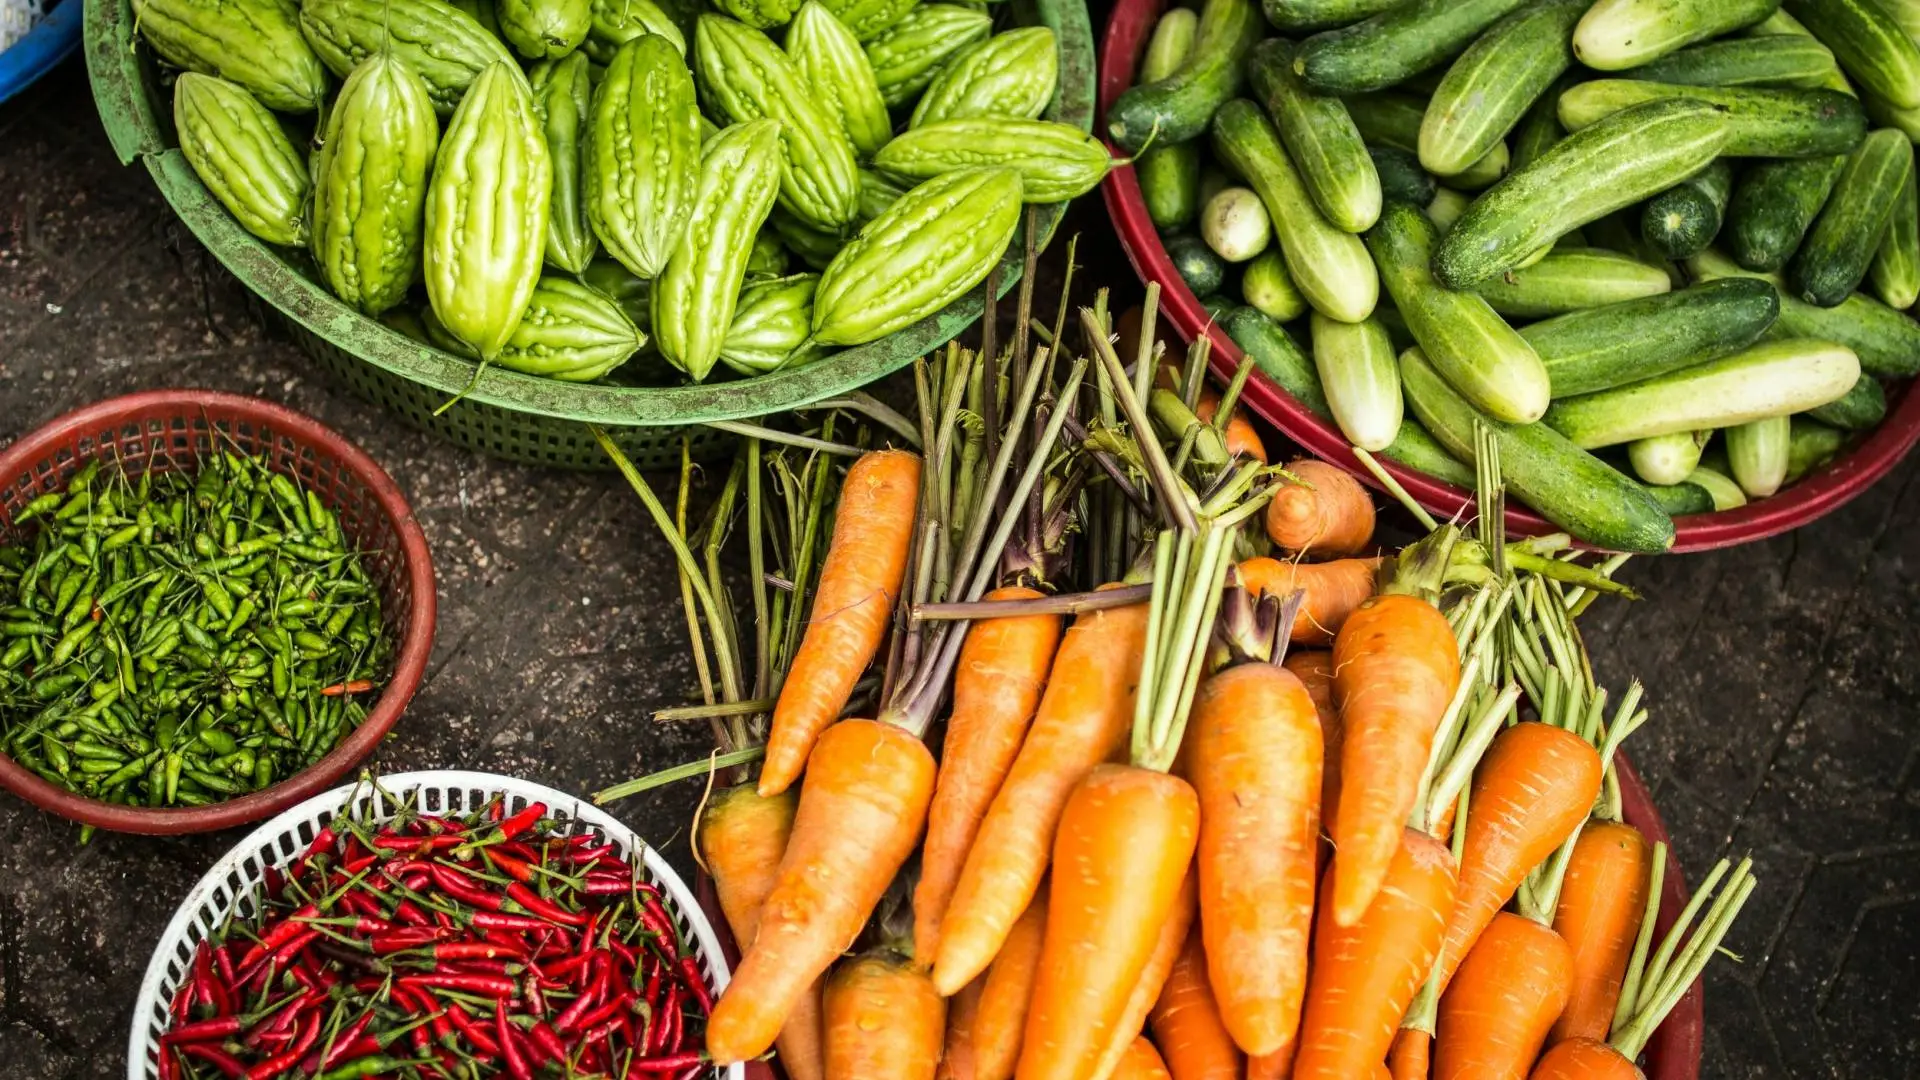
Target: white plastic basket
(232, 881)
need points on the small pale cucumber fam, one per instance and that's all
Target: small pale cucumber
(1322, 14)
(1861, 407)
(1896, 266)
(1569, 279)
(1726, 494)
(1839, 248)
(1330, 266)
(1009, 74)
(1446, 208)
(1772, 378)
(1267, 286)
(1593, 172)
(1396, 44)
(770, 324)
(1887, 341)
(1681, 499)
(1773, 204)
(1758, 451)
(1401, 176)
(1667, 459)
(1568, 486)
(1172, 42)
(1360, 376)
(1480, 355)
(1760, 122)
(1492, 85)
(1235, 225)
(1198, 264)
(1810, 444)
(1619, 34)
(1870, 44)
(1056, 161)
(1393, 119)
(1320, 138)
(1178, 107)
(1768, 60)
(1603, 347)
(1686, 217)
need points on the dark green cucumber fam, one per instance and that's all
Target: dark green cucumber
(1771, 60)
(1593, 172)
(1570, 279)
(1218, 306)
(1860, 408)
(1681, 499)
(1401, 176)
(1396, 44)
(1887, 341)
(1761, 122)
(1568, 486)
(1197, 265)
(1603, 347)
(1772, 206)
(1169, 174)
(1620, 34)
(1540, 129)
(1870, 44)
(1322, 14)
(1179, 106)
(1834, 258)
(1686, 217)
(1896, 266)
(1493, 84)
(1393, 119)
(1811, 444)
(1320, 138)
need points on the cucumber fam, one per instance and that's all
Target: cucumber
(1416, 448)
(1394, 119)
(1196, 263)
(1177, 108)
(1757, 450)
(1667, 459)
(1773, 203)
(1833, 259)
(1446, 208)
(1781, 24)
(1593, 172)
(1772, 378)
(1896, 266)
(1811, 444)
(1620, 34)
(1686, 217)
(1170, 45)
(1234, 224)
(1569, 279)
(1863, 406)
(1493, 84)
(1726, 494)
(1540, 129)
(1491, 365)
(1568, 486)
(1870, 44)
(1329, 266)
(1401, 176)
(1322, 14)
(1761, 122)
(1218, 307)
(1681, 499)
(1360, 378)
(1883, 114)
(1320, 139)
(1396, 44)
(1214, 180)
(1770, 60)
(1620, 231)
(1887, 341)
(1267, 286)
(1604, 347)
(1169, 175)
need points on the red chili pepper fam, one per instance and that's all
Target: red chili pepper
(461, 888)
(696, 981)
(602, 1013)
(511, 828)
(548, 1041)
(537, 905)
(654, 918)
(518, 869)
(166, 1065)
(497, 920)
(203, 1031)
(360, 903)
(290, 1057)
(223, 959)
(441, 1026)
(464, 1022)
(409, 937)
(494, 986)
(344, 1041)
(589, 998)
(359, 864)
(536, 999)
(605, 883)
(651, 995)
(345, 1050)
(478, 950)
(563, 969)
(416, 881)
(228, 1065)
(201, 984)
(277, 935)
(351, 686)
(669, 1063)
(510, 1049)
(675, 1024)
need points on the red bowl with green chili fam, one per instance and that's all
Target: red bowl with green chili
(174, 429)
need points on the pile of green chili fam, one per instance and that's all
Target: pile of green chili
(177, 639)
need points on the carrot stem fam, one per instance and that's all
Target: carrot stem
(1166, 480)
(1057, 604)
(1394, 488)
(767, 434)
(1666, 980)
(1643, 941)
(683, 771)
(865, 404)
(1223, 412)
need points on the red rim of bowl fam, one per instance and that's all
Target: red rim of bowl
(409, 664)
(1818, 493)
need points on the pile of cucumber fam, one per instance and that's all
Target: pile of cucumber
(1610, 229)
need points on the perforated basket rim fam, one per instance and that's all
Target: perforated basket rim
(209, 901)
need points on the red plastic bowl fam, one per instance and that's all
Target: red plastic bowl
(1815, 495)
(166, 429)
(1673, 1053)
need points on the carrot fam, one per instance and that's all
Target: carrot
(1314, 669)
(1411, 1056)
(1082, 720)
(996, 687)
(958, 1061)
(1396, 666)
(1535, 785)
(1006, 990)
(884, 1022)
(1365, 974)
(858, 820)
(1186, 1020)
(1584, 1059)
(1504, 997)
(1601, 898)
(1333, 590)
(1275, 1066)
(1326, 514)
(1256, 768)
(1125, 840)
(1141, 1062)
(858, 583)
(1153, 981)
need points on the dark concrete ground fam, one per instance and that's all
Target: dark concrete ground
(1782, 675)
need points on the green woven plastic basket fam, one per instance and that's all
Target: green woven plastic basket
(507, 414)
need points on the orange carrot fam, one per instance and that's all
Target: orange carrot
(1153, 981)
(1585, 1059)
(1333, 590)
(858, 820)
(1186, 1020)
(1535, 785)
(1411, 1056)
(884, 1022)
(1006, 991)
(1601, 899)
(1314, 669)
(1256, 769)
(1125, 841)
(958, 1061)
(1395, 668)
(1274, 1066)
(1326, 514)
(1083, 719)
(996, 687)
(1504, 997)
(1365, 974)
(1141, 1062)
(858, 583)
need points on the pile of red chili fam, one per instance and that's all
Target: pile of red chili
(428, 946)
